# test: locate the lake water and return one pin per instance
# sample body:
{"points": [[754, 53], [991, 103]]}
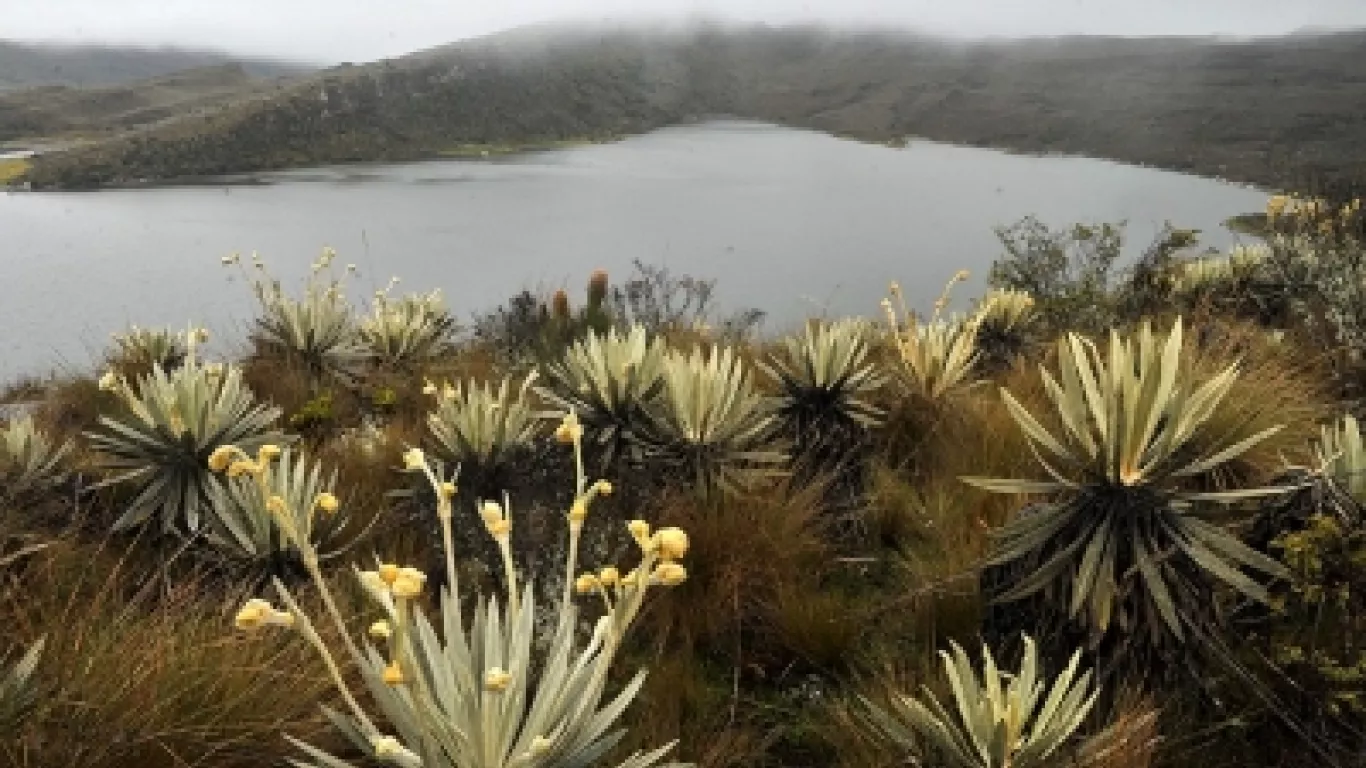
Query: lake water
{"points": [[793, 222]]}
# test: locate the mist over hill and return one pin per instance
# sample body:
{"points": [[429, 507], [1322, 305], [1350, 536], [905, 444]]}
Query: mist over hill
{"points": [[25, 65], [1273, 111]]}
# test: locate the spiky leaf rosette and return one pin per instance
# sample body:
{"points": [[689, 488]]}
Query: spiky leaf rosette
{"points": [[316, 330], [610, 380], [18, 688], [28, 459], [162, 440], [407, 332], [483, 429], [827, 381], [936, 357], [999, 720], [712, 424], [138, 349], [248, 530], [1003, 322], [487, 693], [1119, 545]]}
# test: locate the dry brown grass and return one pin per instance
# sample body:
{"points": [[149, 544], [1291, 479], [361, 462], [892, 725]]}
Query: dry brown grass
{"points": [[152, 676]]}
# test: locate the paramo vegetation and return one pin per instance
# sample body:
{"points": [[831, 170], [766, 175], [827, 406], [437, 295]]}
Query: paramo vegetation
{"points": [[630, 531]]}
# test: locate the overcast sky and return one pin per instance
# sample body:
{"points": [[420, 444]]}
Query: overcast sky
{"points": [[362, 30]]}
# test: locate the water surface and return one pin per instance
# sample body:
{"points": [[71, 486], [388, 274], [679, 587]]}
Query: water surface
{"points": [[794, 222]]}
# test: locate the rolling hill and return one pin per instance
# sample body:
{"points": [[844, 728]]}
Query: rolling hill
{"points": [[28, 65], [1278, 112]]}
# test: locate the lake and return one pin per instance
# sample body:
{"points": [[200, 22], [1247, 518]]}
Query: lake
{"points": [[794, 222]]}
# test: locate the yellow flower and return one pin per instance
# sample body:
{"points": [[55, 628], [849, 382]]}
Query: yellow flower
{"points": [[603, 488], [392, 674], [961, 275], [578, 512], [388, 572], [327, 503], [448, 490], [257, 613], [586, 584], [609, 576], [221, 457], [381, 630], [268, 452], [408, 583], [497, 679], [672, 542], [631, 579], [413, 458], [277, 506], [569, 431], [109, 381], [640, 530], [491, 512], [540, 745], [670, 574]]}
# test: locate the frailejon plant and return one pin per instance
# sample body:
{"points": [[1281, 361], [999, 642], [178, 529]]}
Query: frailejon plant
{"points": [[712, 424], [1119, 550], [936, 359], [472, 695], [481, 428], [245, 527], [1002, 720], [18, 686], [169, 426], [1004, 318], [406, 332], [28, 459], [828, 381], [611, 381], [316, 330], [138, 349]]}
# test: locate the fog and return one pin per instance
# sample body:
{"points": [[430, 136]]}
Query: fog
{"points": [[330, 31]]}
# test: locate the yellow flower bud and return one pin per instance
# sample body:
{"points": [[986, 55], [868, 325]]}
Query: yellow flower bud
{"points": [[569, 431], [388, 572], [586, 584], [640, 530], [491, 512], [672, 543], [448, 490], [277, 506], [413, 458], [242, 467], [392, 674], [609, 576], [603, 488], [257, 613], [221, 457], [407, 583], [670, 574], [268, 452], [327, 503], [578, 512], [497, 679], [381, 630]]}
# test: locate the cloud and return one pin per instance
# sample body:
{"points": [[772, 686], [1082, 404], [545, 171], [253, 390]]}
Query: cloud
{"points": [[362, 30]]}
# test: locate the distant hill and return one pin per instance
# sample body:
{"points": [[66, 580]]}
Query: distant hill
{"points": [[62, 113], [26, 65], [1270, 111]]}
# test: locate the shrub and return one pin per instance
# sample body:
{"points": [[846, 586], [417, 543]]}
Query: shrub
{"points": [[482, 429], [468, 697], [1117, 553], [1003, 720], [826, 378], [245, 527], [171, 423], [29, 462], [406, 333], [610, 381], [138, 350], [711, 425], [654, 298], [937, 358], [316, 331]]}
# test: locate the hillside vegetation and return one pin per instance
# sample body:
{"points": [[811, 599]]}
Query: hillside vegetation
{"points": [[63, 113], [1275, 112], [27, 65]]}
